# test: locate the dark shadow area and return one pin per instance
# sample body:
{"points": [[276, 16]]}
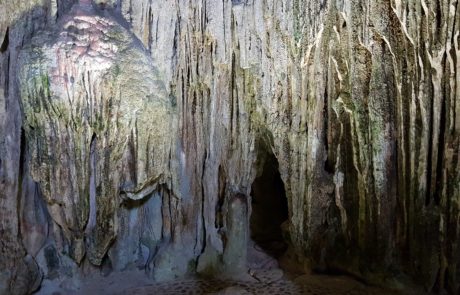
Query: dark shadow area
{"points": [[269, 208], [6, 41]]}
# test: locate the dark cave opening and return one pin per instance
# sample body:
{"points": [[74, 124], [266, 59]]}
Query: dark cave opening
{"points": [[269, 208]]}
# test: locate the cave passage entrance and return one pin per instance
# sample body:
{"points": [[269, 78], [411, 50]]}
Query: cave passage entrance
{"points": [[269, 207]]}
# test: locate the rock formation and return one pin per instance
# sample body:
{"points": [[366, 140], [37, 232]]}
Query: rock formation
{"points": [[98, 123], [132, 131]]}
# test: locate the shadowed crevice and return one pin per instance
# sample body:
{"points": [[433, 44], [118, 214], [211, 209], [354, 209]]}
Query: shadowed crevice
{"points": [[6, 41], [269, 208]]}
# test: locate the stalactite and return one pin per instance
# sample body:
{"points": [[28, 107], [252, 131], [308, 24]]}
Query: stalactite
{"points": [[358, 101]]}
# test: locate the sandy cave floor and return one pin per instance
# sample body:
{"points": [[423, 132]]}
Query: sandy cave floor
{"points": [[134, 284], [264, 277]]}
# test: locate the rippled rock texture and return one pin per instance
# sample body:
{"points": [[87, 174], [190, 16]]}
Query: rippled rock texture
{"points": [[98, 123], [129, 128]]}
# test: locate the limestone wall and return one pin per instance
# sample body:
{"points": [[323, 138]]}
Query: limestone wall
{"points": [[357, 99]]}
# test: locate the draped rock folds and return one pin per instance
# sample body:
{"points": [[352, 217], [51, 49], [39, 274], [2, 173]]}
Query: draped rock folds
{"points": [[98, 123], [358, 101]]}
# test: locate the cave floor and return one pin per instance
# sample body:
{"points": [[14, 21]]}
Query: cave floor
{"points": [[303, 285], [132, 284], [264, 277]]}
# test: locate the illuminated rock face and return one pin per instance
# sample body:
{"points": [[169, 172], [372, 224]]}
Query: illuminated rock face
{"points": [[357, 100], [99, 125]]}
